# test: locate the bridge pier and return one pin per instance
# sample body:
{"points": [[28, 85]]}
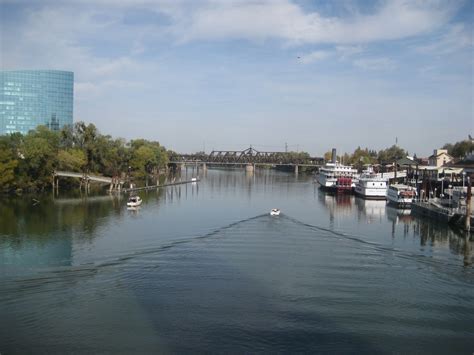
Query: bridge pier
{"points": [[250, 168], [296, 170]]}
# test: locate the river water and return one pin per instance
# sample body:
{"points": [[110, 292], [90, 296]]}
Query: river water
{"points": [[205, 268]]}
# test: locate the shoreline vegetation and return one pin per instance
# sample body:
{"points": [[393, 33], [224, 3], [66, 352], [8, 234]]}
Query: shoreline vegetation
{"points": [[27, 161]]}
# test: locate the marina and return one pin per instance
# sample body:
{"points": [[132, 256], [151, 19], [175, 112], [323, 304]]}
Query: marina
{"points": [[410, 185]]}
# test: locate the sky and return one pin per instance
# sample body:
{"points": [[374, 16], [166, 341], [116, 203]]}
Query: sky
{"points": [[227, 74]]}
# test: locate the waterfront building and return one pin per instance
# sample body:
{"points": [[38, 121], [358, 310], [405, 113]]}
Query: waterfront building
{"points": [[440, 157], [29, 98]]}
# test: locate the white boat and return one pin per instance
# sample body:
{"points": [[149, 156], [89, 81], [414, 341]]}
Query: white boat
{"points": [[275, 212], [134, 201], [401, 195], [371, 185], [330, 173]]}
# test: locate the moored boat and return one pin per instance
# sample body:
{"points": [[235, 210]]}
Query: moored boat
{"points": [[401, 195], [134, 201], [371, 185], [330, 173], [344, 184]]}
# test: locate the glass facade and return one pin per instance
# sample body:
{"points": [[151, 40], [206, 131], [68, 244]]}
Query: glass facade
{"points": [[29, 98]]}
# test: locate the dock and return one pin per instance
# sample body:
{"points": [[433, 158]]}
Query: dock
{"points": [[440, 213], [152, 187]]}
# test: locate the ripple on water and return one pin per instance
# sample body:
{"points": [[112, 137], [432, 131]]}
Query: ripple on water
{"points": [[261, 284]]}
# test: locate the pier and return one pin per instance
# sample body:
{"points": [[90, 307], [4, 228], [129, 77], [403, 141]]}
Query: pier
{"points": [[86, 179], [152, 187], [433, 210]]}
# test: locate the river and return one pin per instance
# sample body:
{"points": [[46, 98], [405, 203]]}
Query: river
{"points": [[204, 268]]}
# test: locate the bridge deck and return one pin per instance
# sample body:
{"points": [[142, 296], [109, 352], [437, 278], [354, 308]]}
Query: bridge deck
{"points": [[239, 163]]}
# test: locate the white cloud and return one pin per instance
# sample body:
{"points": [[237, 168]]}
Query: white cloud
{"points": [[314, 56], [90, 38], [456, 38], [260, 20], [379, 64], [114, 66], [349, 51]]}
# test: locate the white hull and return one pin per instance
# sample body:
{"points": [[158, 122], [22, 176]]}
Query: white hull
{"points": [[400, 201], [372, 186], [373, 193], [275, 212], [134, 202], [324, 181], [397, 195]]}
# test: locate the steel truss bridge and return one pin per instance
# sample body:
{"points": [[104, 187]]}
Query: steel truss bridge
{"points": [[248, 156]]}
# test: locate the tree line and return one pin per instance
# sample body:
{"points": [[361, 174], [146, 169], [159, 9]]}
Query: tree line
{"points": [[28, 161], [364, 156]]}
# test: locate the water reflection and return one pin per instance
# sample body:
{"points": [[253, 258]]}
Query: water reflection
{"points": [[402, 223], [340, 204], [370, 210], [46, 233]]}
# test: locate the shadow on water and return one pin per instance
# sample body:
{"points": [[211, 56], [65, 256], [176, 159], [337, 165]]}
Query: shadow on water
{"points": [[187, 290], [211, 291]]}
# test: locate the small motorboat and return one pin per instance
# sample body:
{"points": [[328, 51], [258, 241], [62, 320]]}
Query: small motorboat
{"points": [[275, 212], [134, 201]]}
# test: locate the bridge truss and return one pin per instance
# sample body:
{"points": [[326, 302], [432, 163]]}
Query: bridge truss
{"points": [[249, 156]]}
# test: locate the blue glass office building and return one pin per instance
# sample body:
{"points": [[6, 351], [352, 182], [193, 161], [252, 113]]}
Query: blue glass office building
{"points": [[29, 98]]}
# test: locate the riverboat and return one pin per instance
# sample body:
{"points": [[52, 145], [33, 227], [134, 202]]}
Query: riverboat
{"points": [[134, 201], [344, 184], [330, 173], [401, 195], [371, 185]]}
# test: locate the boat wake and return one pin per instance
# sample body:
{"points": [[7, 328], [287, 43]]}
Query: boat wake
{"points": [[90, 269]]}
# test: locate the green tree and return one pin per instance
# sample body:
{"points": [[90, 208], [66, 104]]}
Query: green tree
{"points": [[362, 157], [143, 160], [71, 160], [8, 163], [27, 161], [460, 149], [391, 154]]}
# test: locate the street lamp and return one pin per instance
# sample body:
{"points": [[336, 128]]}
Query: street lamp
{"points": [[463, 176]]}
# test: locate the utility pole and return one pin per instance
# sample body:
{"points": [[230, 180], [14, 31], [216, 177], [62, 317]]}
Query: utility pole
{"points": [[286, 147], [468, 205]]}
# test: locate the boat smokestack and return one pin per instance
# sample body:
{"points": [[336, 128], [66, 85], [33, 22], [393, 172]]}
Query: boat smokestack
{"points": [[334, 156]]}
